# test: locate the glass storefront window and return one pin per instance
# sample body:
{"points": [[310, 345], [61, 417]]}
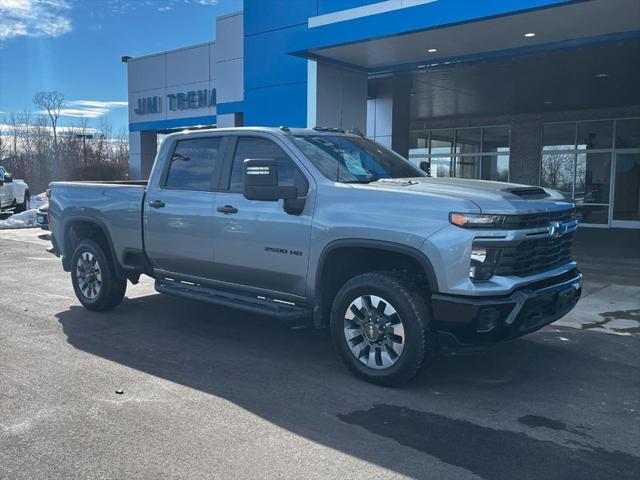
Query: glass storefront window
{"points": [[600, 172], [468, 140], [419, 140], [593, 178], [495, 167], [441, 167], [481, 152], [595, 135], [628, 133], [558, 172], [467, 167], [626, 201], [495, 139], [442, 141], [559, 136], [597, 214], [418, 147]]}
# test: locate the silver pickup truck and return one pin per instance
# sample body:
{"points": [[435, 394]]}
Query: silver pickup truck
{"points": [[330, 226]]}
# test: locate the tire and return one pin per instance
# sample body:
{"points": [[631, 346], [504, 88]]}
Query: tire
{"points": [[94, 280], [399, 343], [25, 205]]}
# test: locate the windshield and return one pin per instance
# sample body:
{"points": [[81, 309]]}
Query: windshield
{"points": [[350, 159]]}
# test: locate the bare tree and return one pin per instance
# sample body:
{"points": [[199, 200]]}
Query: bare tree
{"points": [[52, 103]]}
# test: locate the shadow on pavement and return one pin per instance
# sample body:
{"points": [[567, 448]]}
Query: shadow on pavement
{"points": [[288, 374]]}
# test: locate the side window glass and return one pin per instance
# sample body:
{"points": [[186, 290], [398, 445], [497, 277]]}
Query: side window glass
{"points": [[254, 147], [193, 163]]}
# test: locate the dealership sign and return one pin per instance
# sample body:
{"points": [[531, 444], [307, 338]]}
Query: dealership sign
{"points": [[190, 100]]}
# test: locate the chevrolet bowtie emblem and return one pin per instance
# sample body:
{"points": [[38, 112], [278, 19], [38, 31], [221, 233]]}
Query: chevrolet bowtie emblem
{"points": [[555, 229]]}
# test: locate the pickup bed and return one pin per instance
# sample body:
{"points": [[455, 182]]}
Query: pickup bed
{"points": [[331, 226]]}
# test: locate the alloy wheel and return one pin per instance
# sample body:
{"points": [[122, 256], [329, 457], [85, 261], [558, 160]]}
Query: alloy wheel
{"points": [[89, 275], [374, 331]]}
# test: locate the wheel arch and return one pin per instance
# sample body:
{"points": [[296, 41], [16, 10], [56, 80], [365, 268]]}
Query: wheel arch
{"points": [[387, 256], [78, 228]]}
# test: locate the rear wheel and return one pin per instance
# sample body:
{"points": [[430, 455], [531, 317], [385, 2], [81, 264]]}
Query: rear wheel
{"points": [[25, 205], [94, 280], [380, 326]]}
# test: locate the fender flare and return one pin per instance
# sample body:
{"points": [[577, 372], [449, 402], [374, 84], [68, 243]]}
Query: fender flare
{"points": [[412, 252], [66, 226]]}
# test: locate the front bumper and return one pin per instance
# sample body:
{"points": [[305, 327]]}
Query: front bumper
{"points": [[472, 321]]}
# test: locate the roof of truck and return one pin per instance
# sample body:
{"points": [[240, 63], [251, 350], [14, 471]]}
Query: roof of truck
{"points": [[283, 130]]}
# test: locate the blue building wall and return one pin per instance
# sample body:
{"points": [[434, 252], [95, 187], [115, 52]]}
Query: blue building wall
{"points": [[276, 81]]}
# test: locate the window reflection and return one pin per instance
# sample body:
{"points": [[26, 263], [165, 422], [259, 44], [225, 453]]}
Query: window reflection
{"points": [[468, 167], [481, 152], [557, 172], [495, 139], [559, 136], [468, 140], [593, 178], [442, 141], [441, 167], [495, 167], [595, 135], [628, 133]]}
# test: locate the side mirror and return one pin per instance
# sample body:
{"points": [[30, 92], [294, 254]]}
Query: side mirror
{"points": [[8, 178], [425, 167], [260, 177]]}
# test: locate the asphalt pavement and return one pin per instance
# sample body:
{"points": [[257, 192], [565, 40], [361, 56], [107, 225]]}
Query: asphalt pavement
{"points": [[167, 388]]}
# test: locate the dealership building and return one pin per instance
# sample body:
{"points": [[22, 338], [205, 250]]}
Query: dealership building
{"points": [[542, 92]]}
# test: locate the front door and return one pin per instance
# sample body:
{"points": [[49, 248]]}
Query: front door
{"points": [[257, 243], [626, 191], [179, 209]]}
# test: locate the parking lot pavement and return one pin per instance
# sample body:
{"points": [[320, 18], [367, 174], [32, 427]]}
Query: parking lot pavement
{"points": [[210, 392]]}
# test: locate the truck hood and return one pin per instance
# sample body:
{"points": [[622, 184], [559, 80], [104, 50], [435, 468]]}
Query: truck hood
{"points": [[490, 197]]}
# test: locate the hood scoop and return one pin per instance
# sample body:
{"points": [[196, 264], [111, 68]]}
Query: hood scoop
{"points": [[529, 193]]}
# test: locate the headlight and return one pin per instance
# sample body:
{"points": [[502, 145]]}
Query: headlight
{"points": [[483, 262], [476, 220]]}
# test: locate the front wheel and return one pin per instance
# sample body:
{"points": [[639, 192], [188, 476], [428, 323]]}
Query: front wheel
{"points": [[94, 280], [380, 326]]}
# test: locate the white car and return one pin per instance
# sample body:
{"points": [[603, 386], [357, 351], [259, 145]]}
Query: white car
{"points": [[14, 194]]}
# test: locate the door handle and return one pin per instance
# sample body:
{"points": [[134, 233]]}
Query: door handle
{"points": [[156, 204], [227, 209]]}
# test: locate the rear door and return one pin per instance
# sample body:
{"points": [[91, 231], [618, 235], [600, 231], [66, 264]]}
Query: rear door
{"points": [[179, 209], [257, 243]]}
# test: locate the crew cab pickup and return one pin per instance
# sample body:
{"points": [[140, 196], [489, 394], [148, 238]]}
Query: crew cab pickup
{"points": [[331, 226], [14, 194]]}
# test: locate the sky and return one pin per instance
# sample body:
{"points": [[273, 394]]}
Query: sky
{"points": [[75, 47]]}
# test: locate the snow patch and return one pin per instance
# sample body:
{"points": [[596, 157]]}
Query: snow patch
{"points": [[26, 219], [40, 200], [20, 220]]}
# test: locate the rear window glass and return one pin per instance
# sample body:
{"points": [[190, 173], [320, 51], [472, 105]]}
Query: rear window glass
{"points": [[193, 163]]}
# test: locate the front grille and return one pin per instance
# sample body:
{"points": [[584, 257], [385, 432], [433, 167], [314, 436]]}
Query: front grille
{"points": [[535, 256], [536, 220]]}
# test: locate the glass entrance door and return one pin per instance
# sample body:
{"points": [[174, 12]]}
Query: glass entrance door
{"points": [[626, 193]]}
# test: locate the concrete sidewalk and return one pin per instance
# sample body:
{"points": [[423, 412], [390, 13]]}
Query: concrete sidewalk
{"points": [[610, 262]]}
